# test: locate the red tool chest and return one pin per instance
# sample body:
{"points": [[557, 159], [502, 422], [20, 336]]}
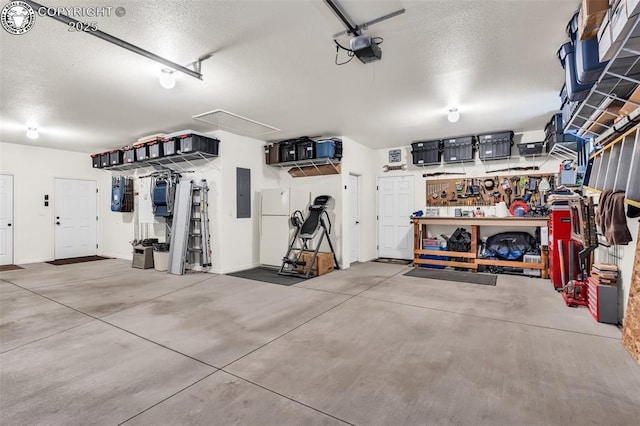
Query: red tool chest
{"points": [[559, 229], [603, 301]]}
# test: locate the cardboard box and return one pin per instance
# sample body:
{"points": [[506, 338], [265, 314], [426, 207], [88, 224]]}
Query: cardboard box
{"points": [[629, 107], [323, 264], [606, 117], [589, 24], [591, 7]]}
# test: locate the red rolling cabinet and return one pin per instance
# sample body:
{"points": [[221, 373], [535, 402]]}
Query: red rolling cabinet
{"points": [[559, 229]]}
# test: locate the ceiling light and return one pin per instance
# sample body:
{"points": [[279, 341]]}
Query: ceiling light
{"points": [[167, 78], [454, 115], [32, 133]]}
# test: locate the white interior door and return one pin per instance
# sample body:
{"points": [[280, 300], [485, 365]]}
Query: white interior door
{"points": [[354, 217], [275, 236], [395, 205], [6, 219], [75, 218]]}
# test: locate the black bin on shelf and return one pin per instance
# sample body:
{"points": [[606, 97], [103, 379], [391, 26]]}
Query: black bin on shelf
{"points": [[129, 155], [426, 152], [95, 161], [171, 146], [458, 149], [156, 149], [142, 152], [494, 146], [198, 143], [305, 149], [116, 157], [528, 149], [567, 140], [555, 125], [104, 159], [287, 151]]}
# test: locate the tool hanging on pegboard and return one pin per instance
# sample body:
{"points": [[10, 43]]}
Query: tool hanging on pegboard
{"points": [[121, 194]]}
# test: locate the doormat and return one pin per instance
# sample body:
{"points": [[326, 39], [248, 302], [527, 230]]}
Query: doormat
{"points": [[267, 275], [5, 268], [393, 261], [71, 260], [458, 276]]}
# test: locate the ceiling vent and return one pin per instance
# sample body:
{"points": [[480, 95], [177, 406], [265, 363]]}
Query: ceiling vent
{"points": [[225, 120]]}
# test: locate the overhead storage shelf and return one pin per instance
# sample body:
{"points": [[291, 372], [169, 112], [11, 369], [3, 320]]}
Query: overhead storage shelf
{"points": [[311, 167], [618, 81], [192, 160]]}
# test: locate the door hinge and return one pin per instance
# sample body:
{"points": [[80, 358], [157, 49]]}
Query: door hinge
{"points": [[96, 217], [96, 190], [377, 187], [377, 217], [96, 246]]}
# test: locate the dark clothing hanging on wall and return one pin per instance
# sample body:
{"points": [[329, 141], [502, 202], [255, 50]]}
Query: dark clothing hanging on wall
{"points": [[611, 218]]}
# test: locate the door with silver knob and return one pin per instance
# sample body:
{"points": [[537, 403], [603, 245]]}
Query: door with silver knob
{"points": [[6, 219], [75, 229]]}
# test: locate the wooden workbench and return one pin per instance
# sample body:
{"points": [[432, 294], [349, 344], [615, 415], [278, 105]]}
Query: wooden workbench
{"points": [[420, 231]]}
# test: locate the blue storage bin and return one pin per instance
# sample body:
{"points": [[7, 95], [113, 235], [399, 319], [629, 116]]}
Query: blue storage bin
{"points": [[588, 65], [428, 256], [572, 27], [325, 149], [575, 90]]}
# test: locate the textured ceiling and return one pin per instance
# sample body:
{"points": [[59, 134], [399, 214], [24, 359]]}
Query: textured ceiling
{"points": [[274, 63]]}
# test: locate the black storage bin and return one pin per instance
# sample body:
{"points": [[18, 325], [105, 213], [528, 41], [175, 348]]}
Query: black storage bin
{"points": [[116, 157], [129, 155], [142, 152], [458, 149], [104, 159], [427, 152], [528, 149], [305, 149], [495, 146], [198, 143], [287, 151], [554, 125], [156, 149], [338, 153], [95, 161], [171, 146], [567, 140]]}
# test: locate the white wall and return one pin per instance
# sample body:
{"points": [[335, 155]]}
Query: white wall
{"points": [[34, 170]]}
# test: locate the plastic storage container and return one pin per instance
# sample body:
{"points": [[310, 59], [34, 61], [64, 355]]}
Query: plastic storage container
{"points": [[326, 148], [287, 151], [427, 152], [193, 142], [568, 140], [588, 65], [171, 146], [104, 159], [129, 155], [305, 149], [338, 154], [575, 90], [494, 146], [458, 149], [156, 149], [432, 257], [554, 125], [116, 157], [161, 256], [142, 152], [528, 149], [95, 161], [272, 153]]}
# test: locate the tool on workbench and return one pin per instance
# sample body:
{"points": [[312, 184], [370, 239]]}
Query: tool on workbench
{"points": [[515, 180]]}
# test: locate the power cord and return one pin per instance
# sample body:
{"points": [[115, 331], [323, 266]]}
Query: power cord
{"points": [[350, 53]]}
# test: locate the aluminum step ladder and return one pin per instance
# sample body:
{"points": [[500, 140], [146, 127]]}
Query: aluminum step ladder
{"points": [[190, 241]]}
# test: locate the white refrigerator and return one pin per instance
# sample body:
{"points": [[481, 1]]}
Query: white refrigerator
{"points": [[276, 231]]}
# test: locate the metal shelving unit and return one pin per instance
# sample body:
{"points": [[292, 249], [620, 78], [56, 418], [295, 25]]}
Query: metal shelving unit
{"points": [[194, 160], [618, 80]]}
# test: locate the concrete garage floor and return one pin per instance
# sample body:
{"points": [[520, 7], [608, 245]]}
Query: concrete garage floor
{"points": [[101, 343]]}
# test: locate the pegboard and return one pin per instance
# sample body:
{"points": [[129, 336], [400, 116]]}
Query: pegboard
{"points": [[461, 192]]}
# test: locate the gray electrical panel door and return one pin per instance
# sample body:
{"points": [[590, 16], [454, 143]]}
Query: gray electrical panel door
{"points": [[243, 193]]}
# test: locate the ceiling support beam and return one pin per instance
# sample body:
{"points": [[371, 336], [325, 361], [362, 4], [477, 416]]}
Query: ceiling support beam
{"points": [[121, 43]]}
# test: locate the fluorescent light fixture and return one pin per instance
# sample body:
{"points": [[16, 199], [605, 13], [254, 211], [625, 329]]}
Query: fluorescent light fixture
{"points": [[167, 78], [32, 133], [454, 115]]}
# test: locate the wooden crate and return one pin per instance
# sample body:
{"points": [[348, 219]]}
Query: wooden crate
{"points": [[323, 265]]}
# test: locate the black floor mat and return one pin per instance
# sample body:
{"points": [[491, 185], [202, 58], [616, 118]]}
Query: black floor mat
{"points": [[5, 268], [267, 275], [459, 276], [71, 260], [393, 261]]}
